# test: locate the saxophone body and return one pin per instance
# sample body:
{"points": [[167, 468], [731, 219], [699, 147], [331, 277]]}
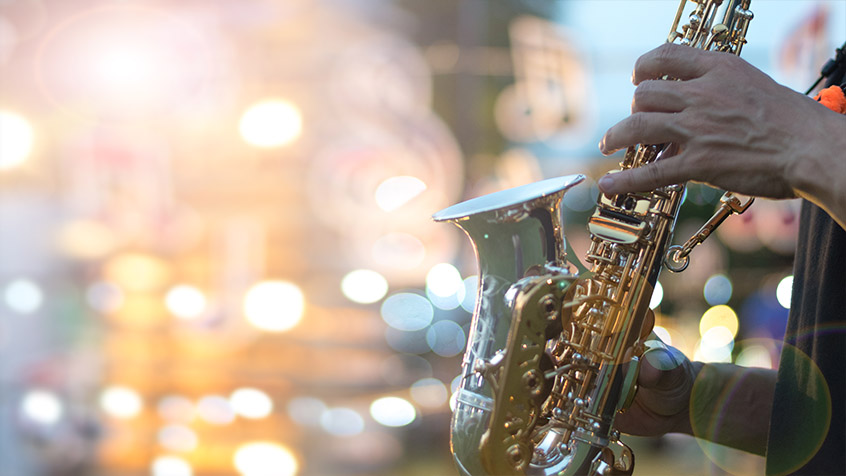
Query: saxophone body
{"points": [[554, 348]]}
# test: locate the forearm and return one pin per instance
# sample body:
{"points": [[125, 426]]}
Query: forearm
{"points": [[731, 406]]}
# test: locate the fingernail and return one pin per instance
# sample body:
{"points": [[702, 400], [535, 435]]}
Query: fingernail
{"points": [[602, 146], [606, 182]]}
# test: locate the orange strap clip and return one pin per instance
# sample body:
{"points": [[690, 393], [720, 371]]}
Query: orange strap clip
{"points": [[833, 98]]}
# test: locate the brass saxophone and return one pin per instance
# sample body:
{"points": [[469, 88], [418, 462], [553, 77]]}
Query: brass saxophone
{"points": [[554, 349]]}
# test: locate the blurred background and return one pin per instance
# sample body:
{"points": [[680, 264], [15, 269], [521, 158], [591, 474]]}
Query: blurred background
{"points": [[216, 252]]}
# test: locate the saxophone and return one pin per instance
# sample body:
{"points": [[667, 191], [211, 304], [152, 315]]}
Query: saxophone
{"points": [[554, 349]]}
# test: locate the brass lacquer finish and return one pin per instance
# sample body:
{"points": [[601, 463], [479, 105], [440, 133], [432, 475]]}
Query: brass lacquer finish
{"points": [[552, 356]]}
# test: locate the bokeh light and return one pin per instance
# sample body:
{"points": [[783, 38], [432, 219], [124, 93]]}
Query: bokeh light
{"points": [[717, 289], [393, 411], [23, 296], [274, 306], [121, 402], [171, 466], [444, 280], [271, 123], [444, 287], [446, 338], [263, 458], [719, 316], [341, 421], [186, 302], [177, 437], [755, 355], [216, 410], [17, 140], [657, 295], [42, 406], [251, 403], [364, 286], [784, 291], [429, 392], [138, 272], [407, 311], [306, 411], [175, 408]]}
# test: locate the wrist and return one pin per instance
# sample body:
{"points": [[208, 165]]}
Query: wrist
{"points": [[683, 422], [818, 170]]}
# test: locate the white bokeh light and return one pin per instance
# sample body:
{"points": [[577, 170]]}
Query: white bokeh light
{"points": [[251, 403], [784, 290], [185, 302], [171, 466], [364, 286], [264, 458], [42, 406], [271, 123], [16, 140], [274, 306], [657, 296], [444, 280], [121, 402], [23, 296], [407, 311], [393, 411]]}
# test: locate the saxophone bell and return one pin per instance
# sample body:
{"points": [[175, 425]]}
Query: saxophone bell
{"points": [[517, 236]]}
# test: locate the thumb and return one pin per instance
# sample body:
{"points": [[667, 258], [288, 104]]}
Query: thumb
{"points": [[662, 367]]}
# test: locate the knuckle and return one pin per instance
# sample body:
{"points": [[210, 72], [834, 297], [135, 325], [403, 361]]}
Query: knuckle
{"points": [[654, 175], [641, 94], [665, 53], [637, 123]]}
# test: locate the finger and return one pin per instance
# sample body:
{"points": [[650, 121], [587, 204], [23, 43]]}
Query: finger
{"points": [[659, 96], [644, 178], [676, 61], [642, 127]]}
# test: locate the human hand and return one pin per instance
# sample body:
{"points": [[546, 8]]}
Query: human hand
{"points": [[735, 128], [662, 402]]}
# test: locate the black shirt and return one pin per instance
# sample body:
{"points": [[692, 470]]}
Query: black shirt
{"points": [[808, 424]]}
